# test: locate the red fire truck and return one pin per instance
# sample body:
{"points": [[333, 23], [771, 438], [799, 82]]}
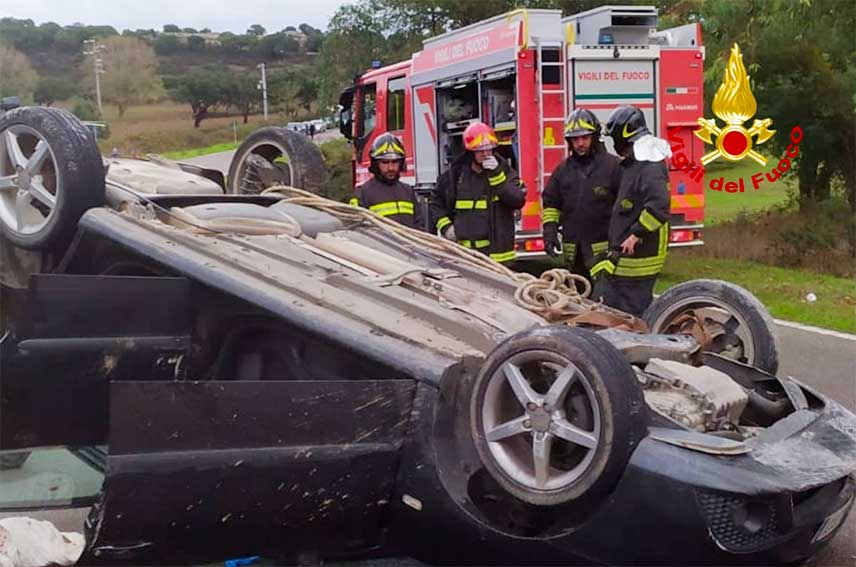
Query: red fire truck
{"points": [[522, 73]]}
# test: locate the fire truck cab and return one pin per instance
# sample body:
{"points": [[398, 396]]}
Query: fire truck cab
{"points": [[522, 73]]}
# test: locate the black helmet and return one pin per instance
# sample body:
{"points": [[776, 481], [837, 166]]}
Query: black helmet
{"points": [[386, 147], [625, 125], [582, 122]]}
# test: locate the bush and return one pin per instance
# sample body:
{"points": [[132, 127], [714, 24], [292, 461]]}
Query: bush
{"points": [[87, 110], [337, 156]]}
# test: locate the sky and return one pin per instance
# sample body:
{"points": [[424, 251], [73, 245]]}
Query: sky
{"points": [[235, 16]]}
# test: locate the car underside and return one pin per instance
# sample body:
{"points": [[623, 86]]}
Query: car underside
{"points": [[275, 373]]}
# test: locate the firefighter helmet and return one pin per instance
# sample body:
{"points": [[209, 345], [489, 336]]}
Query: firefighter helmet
{"points": [[582, 122], [479, 136], [387, 147], [625, 125]]}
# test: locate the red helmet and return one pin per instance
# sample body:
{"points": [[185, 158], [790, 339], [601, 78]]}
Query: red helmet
{"points": [[479, 136]]}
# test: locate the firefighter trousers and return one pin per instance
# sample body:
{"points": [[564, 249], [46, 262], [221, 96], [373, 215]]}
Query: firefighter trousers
{"points": [[631, 295]]}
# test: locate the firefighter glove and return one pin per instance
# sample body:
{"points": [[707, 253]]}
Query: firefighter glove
{"points": [[490, 163], [552, 244]]}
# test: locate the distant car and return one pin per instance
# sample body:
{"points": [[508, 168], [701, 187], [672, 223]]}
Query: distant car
{"points": [[319, 124], [281, 375], [296, 126]]}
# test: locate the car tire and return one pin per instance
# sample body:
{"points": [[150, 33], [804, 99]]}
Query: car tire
{"points": [[13, 460], [740, 326], [604, 402], [41, 209], [276, 156]]}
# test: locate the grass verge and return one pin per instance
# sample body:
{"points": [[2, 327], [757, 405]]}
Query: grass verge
{"points": [[196, 152], [724, 207], [782, 290]]}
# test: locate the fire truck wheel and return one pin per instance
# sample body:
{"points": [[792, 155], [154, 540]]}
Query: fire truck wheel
{"points": [[276, 156], [730, 319], [555, 414], [50, 174]]}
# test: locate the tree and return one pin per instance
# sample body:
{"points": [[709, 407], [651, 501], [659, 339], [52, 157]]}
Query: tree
{"points": [[51, 89], [87, 110], [203, 89], [171, 28], [801, 57], [17, 77], [241, 92], [129, 78], [205, 30], [195, 43], [167, 44], [256, 29], [189, 30]]}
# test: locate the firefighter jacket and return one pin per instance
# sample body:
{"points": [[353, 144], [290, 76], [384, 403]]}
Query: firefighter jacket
{"points": [[394, 201], [641, 208], [579, 198], [480, 206]]}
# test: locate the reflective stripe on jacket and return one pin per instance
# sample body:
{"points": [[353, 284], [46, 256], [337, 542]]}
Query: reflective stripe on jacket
{"points": [[642, 209], [579, 197], [394, 201], [480, 205]]}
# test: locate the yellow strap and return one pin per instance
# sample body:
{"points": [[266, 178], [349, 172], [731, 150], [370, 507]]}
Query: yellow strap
{"points": [[392, 208], [599, 247], [354, 202], [603, 266], [550, 215], [645, 267], [503, 256], [569, 250], [497, 179], [474, 244], [468, 205], [442, 223], [649, 221], [627, 272]]}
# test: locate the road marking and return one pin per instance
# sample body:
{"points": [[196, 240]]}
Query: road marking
{"points": [[818, 330]]}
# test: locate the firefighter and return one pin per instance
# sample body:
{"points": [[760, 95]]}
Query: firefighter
{"points": [[638, 228], [476, 198], [579, 197], [384, 194]]}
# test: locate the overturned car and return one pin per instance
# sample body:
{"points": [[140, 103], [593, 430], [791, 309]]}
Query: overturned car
{"points": [[279, 374]]}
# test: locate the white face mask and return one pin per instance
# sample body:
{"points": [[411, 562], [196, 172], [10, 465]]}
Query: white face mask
{"points": [[649, 148]]}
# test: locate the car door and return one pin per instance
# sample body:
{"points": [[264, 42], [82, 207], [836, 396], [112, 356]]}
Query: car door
{"points": [[290, 446]]}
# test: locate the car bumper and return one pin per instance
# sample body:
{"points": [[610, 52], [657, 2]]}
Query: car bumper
{"points": [[782, 501]]}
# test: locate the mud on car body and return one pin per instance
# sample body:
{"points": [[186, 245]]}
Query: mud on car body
{"points": [[269, 376]]}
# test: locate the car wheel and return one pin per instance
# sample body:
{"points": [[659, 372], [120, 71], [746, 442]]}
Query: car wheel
{"points": [[727, 318], [50, 173], [14, 460], [276, 156], [555, 415]]}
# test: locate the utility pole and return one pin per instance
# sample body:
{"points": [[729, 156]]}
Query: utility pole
{"points": [[95, 49], [263, 86]]}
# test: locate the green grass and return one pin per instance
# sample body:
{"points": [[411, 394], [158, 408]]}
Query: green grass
{"points": [[196, 152], [782, 290], [722, 207]]}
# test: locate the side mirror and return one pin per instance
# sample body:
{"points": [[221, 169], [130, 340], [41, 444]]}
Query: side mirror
{"points": [[346, 124]]}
